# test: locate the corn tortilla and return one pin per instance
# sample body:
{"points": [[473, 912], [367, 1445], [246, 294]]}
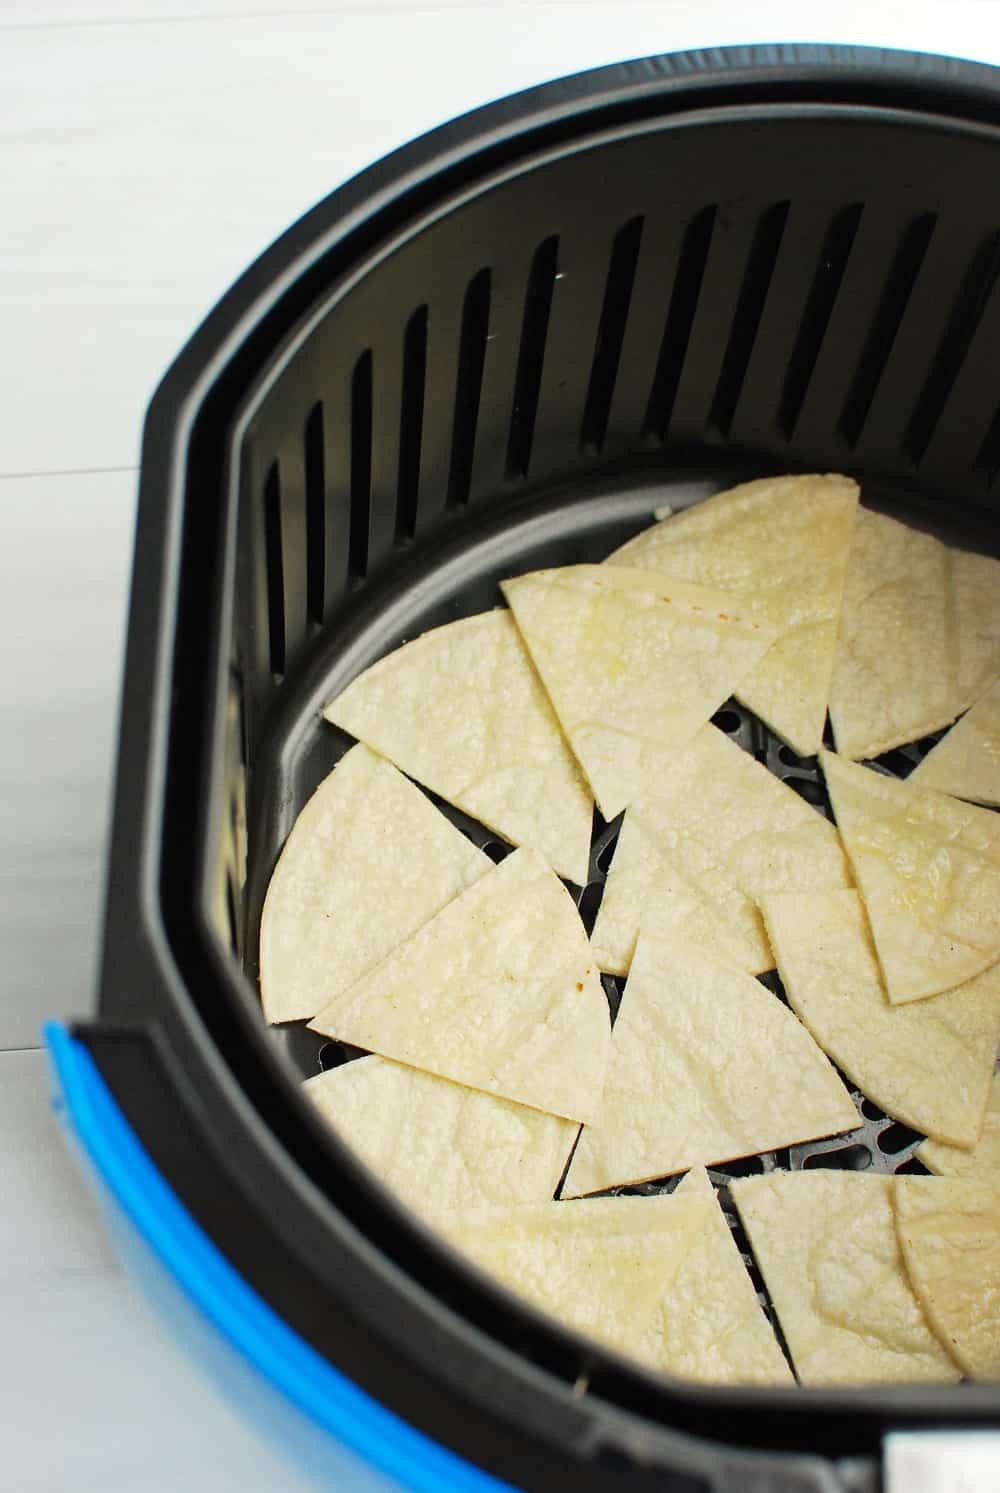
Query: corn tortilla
{"points": [[498, 992], [928, 869], [686, 1082], [634, 665], [462, 710], [781, 545], [826, 1245], [368, 861]]}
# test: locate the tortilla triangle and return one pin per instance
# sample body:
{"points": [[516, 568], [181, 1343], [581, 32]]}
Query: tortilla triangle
{"points": [[949, 1232], [440, 1145], [368, 861], [975, 600], [499, 992], [683, 1086], [982, 1162], [462, 710], [780, 545], [966, 762], [733, 832], [710, 1325], [894, 670], [602, 1265], [826, 1245], [634, 665], [928, 869], [928, 1063]]}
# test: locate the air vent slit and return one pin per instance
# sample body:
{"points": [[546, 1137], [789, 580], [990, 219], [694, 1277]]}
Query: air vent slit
{"points": [[816, 316], [411, 424], [274, 565], [902, 277], [970, 303], [531, 355], [757, 277], [611, 333], [361, 467], [469, 385], [680, 319], [315, 477], [987, 463]]}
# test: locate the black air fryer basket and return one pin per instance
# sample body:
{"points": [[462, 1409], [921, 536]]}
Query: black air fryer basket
{"points": [[504, 347]]}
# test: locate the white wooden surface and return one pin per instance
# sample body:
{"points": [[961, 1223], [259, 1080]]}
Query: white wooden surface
{"points": [[149, 149]]}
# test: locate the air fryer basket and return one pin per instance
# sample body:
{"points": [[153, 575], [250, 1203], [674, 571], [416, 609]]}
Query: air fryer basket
{"points": [[505, 347]]}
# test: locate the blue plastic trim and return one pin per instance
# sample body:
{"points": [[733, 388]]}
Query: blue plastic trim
{"points": [[236, 1310]]}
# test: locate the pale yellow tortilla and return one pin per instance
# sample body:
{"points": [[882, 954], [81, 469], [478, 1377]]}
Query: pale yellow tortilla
{"points": [[949, 1232], [706, 1065], [709, 1325], [894, 670], [826, 1245], [368, 861], [929, 1063], [440, 1145], [499, 991], [643, 882], [734, 832], [602, 1266], [781, 545], [634, 665], [966, 762], [982, 1163], [975, 597], [462, 710], [928, 869]]}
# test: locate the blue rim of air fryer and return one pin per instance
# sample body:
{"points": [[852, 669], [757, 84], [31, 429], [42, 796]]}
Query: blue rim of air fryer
{"points": [[233, 1307]]}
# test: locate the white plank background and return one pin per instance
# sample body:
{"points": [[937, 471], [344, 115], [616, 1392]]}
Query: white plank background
{"points": [[149, 149]]}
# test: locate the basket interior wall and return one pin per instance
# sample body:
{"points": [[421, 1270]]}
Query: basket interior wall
{"points": [[785, 288]]}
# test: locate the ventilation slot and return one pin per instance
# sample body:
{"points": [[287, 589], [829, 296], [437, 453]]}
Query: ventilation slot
{"points": [[361, 466], [469, 385], [988, 456], [528, 382], [896, 294], [315, 514], [275, 570], [611, 333], [411, 424], [749, 310], [977, 287], [680, 319], [847, 1159], [231, 917], [816, 317]]}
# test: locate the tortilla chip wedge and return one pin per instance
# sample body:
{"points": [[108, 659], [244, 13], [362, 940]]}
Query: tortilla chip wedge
{"points": [[928, 1063], [894, 671], [368, 861], [966, 762], [602, 1265], [826, 1245], [928, 869], [975, 599], [462, 710], [710, 1325], [949, 1232], [644, 884], [439, 1145], [634, 665], [982, 1163], [684, 1087], [735, 832], [499, 992], [780, 545]]}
